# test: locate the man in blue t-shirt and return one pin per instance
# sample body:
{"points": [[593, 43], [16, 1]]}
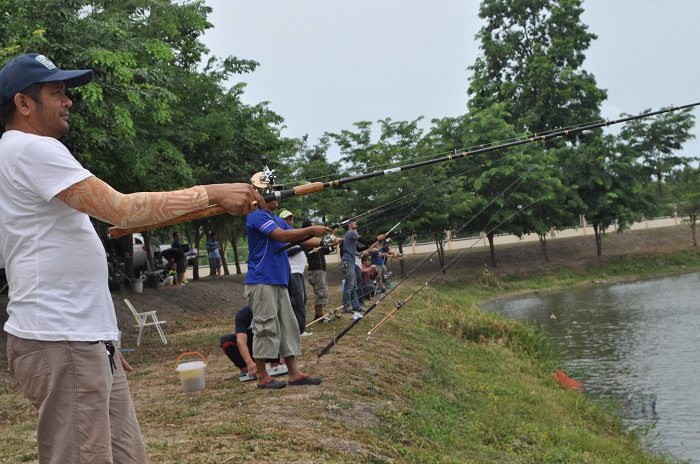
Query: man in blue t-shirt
{"points": [[275, 328], [347, 264], [214, 256]]}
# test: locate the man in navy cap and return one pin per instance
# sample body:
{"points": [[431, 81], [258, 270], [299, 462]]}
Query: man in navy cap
{"points": [[60, 325]]}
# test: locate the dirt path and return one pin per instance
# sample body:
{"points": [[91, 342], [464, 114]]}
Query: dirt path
{"points": [[198, 298]]}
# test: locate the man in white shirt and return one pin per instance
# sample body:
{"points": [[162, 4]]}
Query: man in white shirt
{"points": [[60, 326], [296, 287]]}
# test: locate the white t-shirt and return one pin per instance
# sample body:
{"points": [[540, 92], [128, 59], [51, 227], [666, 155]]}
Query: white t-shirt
{"points": [[297, 263], [56, 264]]}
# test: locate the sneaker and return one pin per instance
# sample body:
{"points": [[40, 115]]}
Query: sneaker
{"points": [[357, 315], [307, 334], [325, 320], [277, 369]]}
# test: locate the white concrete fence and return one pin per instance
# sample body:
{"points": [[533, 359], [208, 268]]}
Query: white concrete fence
{"points": [[467, 242]]}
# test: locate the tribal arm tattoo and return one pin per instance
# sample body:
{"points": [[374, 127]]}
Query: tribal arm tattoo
{"points": [[96, 198]]}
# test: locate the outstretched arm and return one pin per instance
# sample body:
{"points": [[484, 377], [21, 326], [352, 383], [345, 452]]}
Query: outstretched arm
{"points": [[95, 197]]}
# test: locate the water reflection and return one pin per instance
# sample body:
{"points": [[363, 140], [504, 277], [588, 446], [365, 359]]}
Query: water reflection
{"points": [[637, 343]]}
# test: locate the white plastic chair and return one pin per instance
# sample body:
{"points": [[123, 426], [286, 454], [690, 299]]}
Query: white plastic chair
{"points": [[142, 322]]}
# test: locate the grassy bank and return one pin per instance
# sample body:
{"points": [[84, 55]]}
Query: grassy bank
{"points": [[440, 382]]}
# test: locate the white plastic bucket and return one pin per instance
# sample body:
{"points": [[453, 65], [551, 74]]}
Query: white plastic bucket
{"points": [[138, 285], [191, 373], [169, 280]]}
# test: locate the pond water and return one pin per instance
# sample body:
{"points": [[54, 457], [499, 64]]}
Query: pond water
{"points": [[636, 343]]}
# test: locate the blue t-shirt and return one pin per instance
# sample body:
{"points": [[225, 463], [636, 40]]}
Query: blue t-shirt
{"points": [[376, 257], [213, 249], [350, 246], [264, 265]]}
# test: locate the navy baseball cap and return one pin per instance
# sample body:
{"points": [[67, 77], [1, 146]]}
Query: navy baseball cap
{"points": [[31, 68]]}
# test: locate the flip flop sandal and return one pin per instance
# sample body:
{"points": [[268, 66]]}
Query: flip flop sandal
{"points": [[306, 380], [272, 384]]}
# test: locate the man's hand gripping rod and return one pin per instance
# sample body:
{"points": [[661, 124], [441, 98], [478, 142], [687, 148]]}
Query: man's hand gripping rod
{"points": [[263, 181]]}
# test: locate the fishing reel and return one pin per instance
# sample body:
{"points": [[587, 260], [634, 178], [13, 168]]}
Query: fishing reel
{"points": [[264, 181], [328, 240]]}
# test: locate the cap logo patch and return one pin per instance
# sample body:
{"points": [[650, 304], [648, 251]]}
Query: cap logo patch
{"points": [[45, 61]]}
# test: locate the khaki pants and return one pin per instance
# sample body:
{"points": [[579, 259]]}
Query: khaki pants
{"points": [[85, 411]]}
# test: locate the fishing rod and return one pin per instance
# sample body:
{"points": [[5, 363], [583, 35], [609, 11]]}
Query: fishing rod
{"points": [[356, 320], [264, 180]]}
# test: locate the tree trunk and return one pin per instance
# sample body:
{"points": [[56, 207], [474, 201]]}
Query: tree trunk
{"points": [[236, 259], [440, 251], [543, 246], [492, 249], [692, 228], [598, 238]]}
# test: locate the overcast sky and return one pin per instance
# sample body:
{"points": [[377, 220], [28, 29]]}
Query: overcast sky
{"points": [[327, 64]]}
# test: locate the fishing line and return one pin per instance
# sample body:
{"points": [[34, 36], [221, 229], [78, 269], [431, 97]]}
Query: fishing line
{"points": [[265, 183], [452, 263], [355, 321], [517, 138]]}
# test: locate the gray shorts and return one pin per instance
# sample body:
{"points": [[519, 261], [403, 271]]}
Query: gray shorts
{"points": [[318, 281], [275, 328]]}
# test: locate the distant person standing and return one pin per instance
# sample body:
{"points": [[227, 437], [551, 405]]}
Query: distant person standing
{"points": [[296, 287], [176, 241], [214, 254], [317, 276], [347, 265]]}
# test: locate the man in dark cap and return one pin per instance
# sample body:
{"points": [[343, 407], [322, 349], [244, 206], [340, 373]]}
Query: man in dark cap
{"points": [[60, 325]]}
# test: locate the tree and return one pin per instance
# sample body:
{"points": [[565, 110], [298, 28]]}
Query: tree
{"points": [[532, 67], [685, 186], [310, 164], [151, 119], [607, 184], [532, 58], [656, 139]]}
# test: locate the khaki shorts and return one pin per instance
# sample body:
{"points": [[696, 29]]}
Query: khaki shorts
{"points": [[275, 328], [318, 281]]}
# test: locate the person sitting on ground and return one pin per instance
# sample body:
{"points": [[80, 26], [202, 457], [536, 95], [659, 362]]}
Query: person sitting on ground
{"points": [[239, 346], [369, 279]]}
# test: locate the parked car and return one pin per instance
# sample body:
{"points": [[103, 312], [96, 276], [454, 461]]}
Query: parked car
{"points": [[140, 255]]}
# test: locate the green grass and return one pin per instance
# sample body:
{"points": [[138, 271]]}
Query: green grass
{"points": [[441, 382]]}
